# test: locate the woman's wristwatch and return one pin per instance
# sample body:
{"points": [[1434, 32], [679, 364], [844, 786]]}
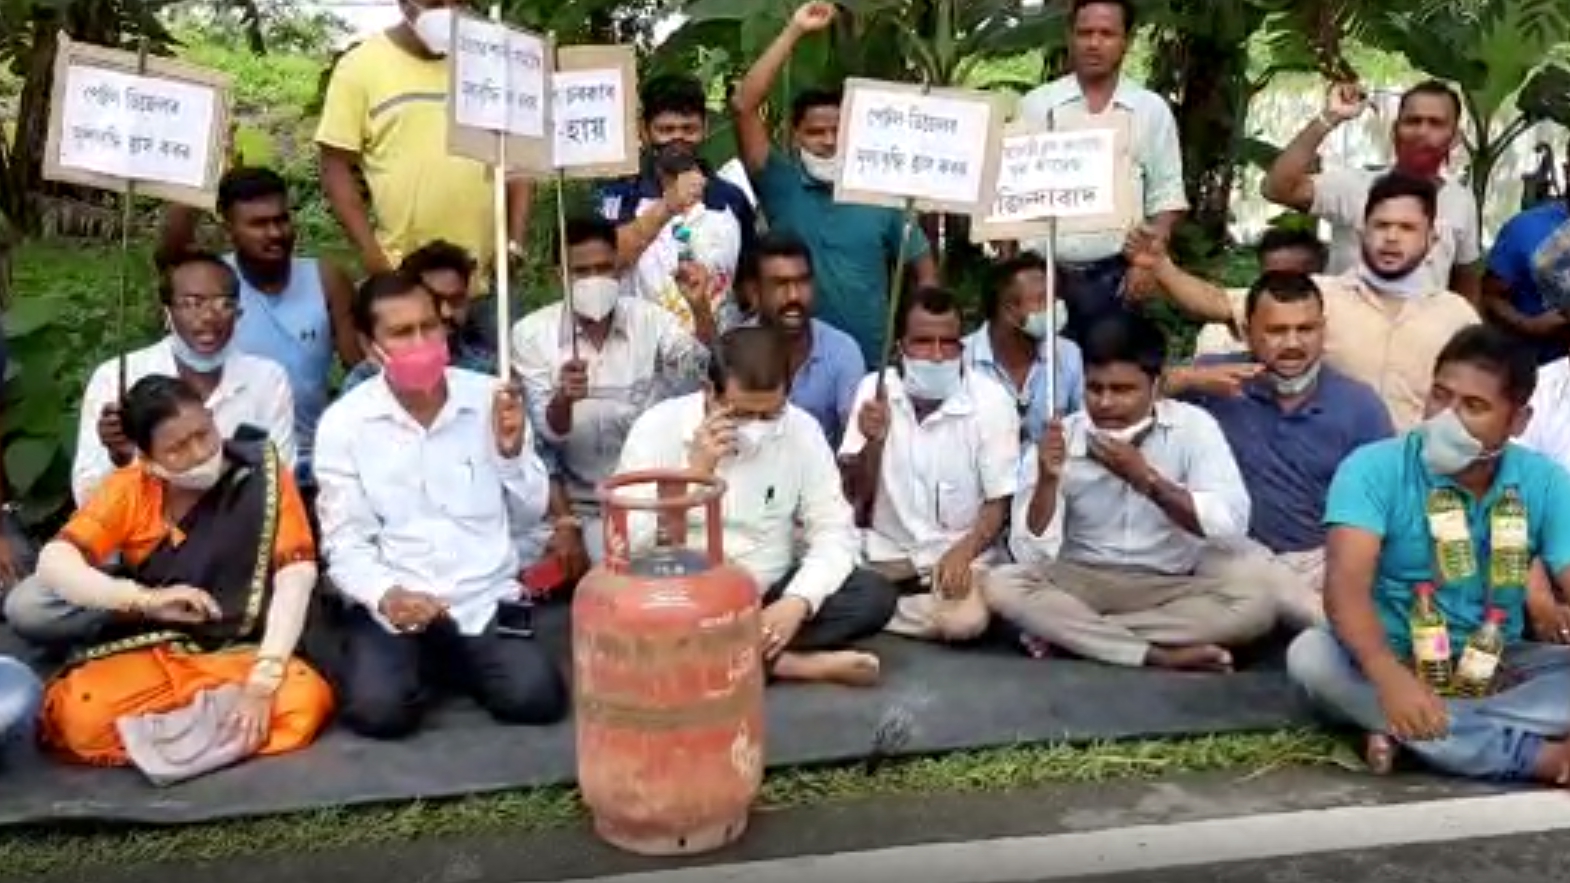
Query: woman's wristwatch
{"points": [[267, 673]]}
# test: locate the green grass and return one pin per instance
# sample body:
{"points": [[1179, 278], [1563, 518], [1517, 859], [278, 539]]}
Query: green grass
{"points": [[36, 853]]}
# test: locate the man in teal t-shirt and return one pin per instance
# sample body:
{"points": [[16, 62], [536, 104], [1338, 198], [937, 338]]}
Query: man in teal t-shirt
{"points": [[1379, 548], [853, 246]]}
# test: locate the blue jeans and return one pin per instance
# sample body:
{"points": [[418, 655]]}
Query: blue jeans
{"points": [[1498, 737], [20, 695]]}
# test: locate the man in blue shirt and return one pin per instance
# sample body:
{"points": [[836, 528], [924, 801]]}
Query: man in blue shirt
{"points": [[1527, 285], [825, 364], [1011, 346], [1289, 427], [853, 246], [1380, 547], [20, 696]]}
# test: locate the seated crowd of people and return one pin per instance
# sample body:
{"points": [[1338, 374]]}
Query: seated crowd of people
{"points": [[1338, 442]]}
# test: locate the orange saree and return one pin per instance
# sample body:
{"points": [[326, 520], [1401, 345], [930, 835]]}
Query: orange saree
{"points": [[233, 540]]}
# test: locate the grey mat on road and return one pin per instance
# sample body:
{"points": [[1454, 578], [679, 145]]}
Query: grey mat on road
{"points": [[945, 699]]}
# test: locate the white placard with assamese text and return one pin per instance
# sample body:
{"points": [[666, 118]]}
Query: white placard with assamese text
{"points": [[1056, 175], [923, 147], [500, 76], [136, 128], [590, 117]]}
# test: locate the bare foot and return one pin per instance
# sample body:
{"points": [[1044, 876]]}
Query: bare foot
{"points": [[1200, 657], [1552, 766], [1379, 752], [852, 668]]}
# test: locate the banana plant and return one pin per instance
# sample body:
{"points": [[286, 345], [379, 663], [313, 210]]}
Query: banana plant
{"points": [[1490, 50]]}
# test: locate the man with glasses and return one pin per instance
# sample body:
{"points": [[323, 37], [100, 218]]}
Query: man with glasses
{"points": [[200, 295], [247, 395]]}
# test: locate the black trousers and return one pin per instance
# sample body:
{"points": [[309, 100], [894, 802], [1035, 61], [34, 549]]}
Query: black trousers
{"points": [[388, 680], [1091, 291], [860, 609]]}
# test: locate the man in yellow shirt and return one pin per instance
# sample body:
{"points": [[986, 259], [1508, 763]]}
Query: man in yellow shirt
{"points": [[386, 114]]}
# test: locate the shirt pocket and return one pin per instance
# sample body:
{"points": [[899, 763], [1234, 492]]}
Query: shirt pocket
{"points": [[468, 489], [957, 504]]}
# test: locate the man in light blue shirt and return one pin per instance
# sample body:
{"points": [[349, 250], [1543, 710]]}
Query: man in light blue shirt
{"points": [[1380, 513], [825, 362], [1091, 269], [1011, 347]]}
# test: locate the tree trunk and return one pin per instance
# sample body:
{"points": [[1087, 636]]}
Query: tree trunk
{"points": [[24, 172], [1207, 82]]}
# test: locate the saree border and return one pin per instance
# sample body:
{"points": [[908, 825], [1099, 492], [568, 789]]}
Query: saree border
{"points": [[253, 604]]}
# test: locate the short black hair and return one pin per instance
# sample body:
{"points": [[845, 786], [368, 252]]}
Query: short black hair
{"points": [[1128, 338], [437, 256], [1498, 353], [1284, 288], [1002, 275], [932, 299], [175, 262], [1436, 89], [779, 244], [584, 229], [810, 99], [753, 358], [248, 184], [1399, 185], [1130, 21], [1293, 239], [378, 287], [150, 403], [679, 94]]}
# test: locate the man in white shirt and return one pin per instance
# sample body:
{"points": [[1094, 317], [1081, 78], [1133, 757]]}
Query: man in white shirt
{"points": [[779, 473], [1091, 269], [201, 297], [1426, 130], [1117, 506], [933, 456], [420, 470], [590, 373]]}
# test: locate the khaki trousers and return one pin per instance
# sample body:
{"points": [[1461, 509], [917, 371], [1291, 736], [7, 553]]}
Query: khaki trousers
{"points": [[929, 617], [1115, 615]]}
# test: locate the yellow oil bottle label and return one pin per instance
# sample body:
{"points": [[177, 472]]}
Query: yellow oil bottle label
{"points": [[1509, 532], [1431, 644], [1449, 526], [1477, 666]]}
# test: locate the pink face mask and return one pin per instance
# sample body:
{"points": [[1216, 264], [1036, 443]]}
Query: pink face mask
{"points": [[418, 367]]}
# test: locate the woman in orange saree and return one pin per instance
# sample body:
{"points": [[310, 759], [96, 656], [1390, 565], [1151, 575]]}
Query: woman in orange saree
{"points": [[221, 567]]}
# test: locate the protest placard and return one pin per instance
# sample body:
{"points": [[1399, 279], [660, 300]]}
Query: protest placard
{"points": [[499, 88], [1078, 172], [595, 111], [161, 130], [931, 149]]}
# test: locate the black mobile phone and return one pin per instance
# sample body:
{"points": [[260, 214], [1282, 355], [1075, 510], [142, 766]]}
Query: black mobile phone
{"points": [[515, 619]]}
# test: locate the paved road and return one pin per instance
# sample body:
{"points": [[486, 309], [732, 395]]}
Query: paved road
{"points": [[1533, 858], [1291, 827]]}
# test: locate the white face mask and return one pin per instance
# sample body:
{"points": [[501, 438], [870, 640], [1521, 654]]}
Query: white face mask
{"points": [[1127, 433], [754, 434], [594, 297], [823, 169], [1414, 284], [200, 477], [433, 27]]}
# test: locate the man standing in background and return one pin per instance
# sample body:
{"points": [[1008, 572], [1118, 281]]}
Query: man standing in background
{"points": [[386, 115], [853, 246], [1427, 128], [1527, 286], [1093, 275]]}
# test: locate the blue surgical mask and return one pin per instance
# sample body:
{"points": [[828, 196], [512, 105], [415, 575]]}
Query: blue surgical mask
{"points": [[1044, 322], [931, 381], [201, 363], [1448, 446]]}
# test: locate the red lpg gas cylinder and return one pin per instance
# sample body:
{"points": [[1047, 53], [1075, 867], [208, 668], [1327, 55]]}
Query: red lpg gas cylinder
{"points": [[667, 679]]}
